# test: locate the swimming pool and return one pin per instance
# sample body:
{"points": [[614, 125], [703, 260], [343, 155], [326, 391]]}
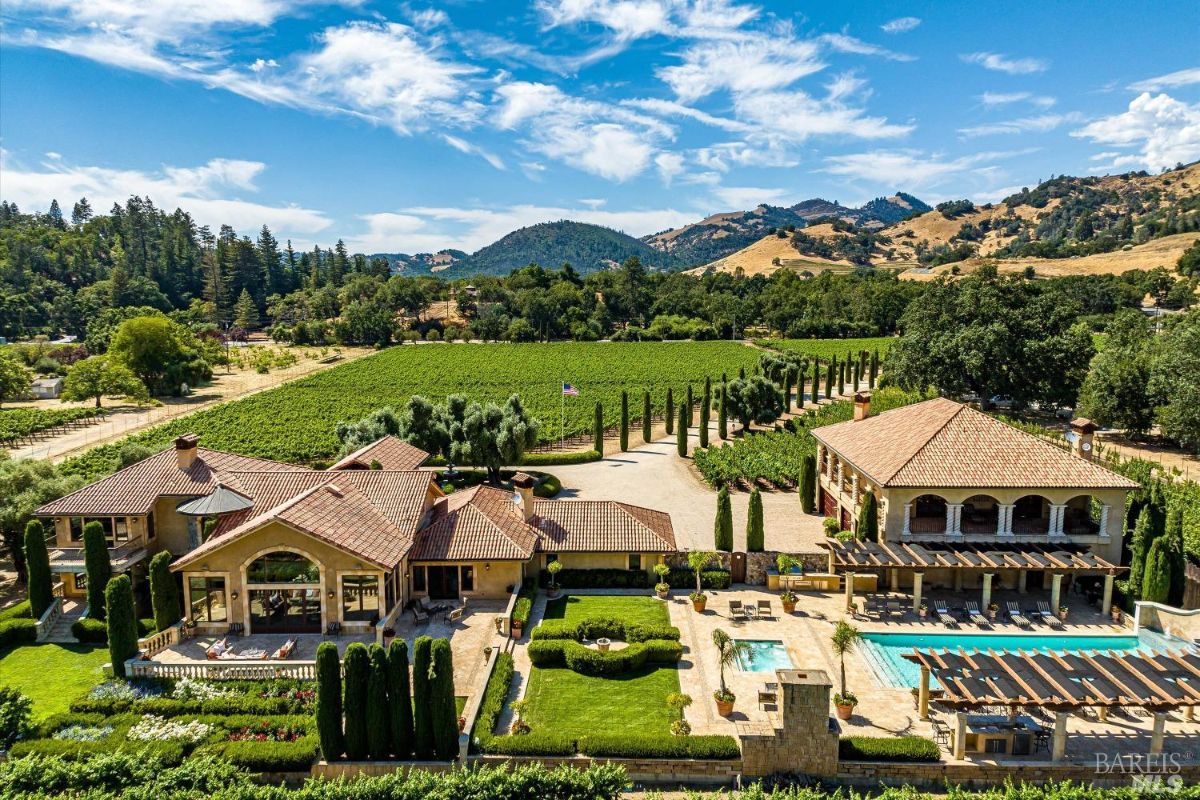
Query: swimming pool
{"points": [[885, 652], [764, 655]]}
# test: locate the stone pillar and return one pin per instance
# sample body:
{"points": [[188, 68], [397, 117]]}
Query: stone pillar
{"points": [[907, 530], [1189, 714], [854, 488], [958, 579], [1004, 521], [1104, 513], [1058, 747], [918, 580], [1057, 513], [800, 738], [1106, 602], [893, 579], [1055, 592], [1159, 733], [960, 735], [985, 599], [954, 519], [923, 694], [848, 577], [831, 569], [1103, 713], [1022, 577]]}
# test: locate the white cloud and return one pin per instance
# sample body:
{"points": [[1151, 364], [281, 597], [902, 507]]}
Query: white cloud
{"points": [[844, 43], [758, 64], [992, 99], [464, 146], [909, 168], [669, 165], [203, 191], [427, 18], [627, 19], [1172, 80], [900, 25], [668, 108], [1002, 63], [795, 117], [1038, 124], [260, 64], [1163, 130], [747, 197]]}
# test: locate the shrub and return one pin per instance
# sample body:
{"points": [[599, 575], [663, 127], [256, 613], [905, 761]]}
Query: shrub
{"points": [[607, 627], [329, 701], [585, 661], [423, 742], [606, 578], [539, 743], [494, 695], [97, 567], [17, 631], [15, 712], [267, 756], [551, 458], [22, 610], [122, 623], [37, 564], [888, 748], [441, 700], [357, 666], [525, 598], [400, 698], [711, 579], [164, 592], [645, 745], [868, 519], [379, 724]]}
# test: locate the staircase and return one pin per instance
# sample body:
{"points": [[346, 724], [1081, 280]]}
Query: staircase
{"points": [[61, 632]]}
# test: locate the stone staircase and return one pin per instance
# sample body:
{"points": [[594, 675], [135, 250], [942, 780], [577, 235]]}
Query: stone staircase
{"points": [[61, 632]]}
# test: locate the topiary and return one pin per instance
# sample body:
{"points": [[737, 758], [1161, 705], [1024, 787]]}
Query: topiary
{"points": [[96, 566], [37, 564], [354, 706], [400, 699], [122, 623], [329, 701], [164, 592], [443, 710], [422, 711], [379, 726]]}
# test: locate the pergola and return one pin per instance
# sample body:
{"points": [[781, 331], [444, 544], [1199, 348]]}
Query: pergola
{"points": [[855, 555], [1060, 682]]}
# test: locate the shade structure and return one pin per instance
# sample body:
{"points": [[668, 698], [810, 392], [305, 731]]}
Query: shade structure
{"points": [[223, 500], [857, 554]]}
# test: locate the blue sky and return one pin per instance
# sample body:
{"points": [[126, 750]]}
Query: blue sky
{"points": [[409, 127]]}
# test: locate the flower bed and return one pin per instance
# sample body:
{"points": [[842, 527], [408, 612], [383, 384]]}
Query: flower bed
{"points": [[151, 728], [168, 698], [267, 731]]}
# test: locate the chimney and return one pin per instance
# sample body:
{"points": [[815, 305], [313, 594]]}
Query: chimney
{"points": [[1080, 436], [862, 405], [185, 450], [524, 485]]}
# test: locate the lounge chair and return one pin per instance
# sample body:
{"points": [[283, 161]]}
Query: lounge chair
{"points": [[894, 609], [419, 614], [735, 610], [943, 613], [285, 650], [976, 616], [1014, 613], [1048, 616], [455, 614], [764, 610], [216, 649]]}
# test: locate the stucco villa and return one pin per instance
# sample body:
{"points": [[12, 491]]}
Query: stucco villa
{"points": [[278, 548]]}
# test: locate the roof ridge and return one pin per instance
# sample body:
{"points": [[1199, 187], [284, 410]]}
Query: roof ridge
{"points": [[106, 477]]}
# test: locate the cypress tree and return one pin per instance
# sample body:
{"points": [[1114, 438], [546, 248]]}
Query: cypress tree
{"points": [[705, 412], [445, 713], [164, 593], [681, 433], [598, 430], [400, 699], [874, 373], [816, 380], [691, 401], [1175, 553], [97, 568], [358, 668], [868, 519], [422, 705], [329, 701], [1143, 535], [800, 376], [723, 524], [646, 423], [829, 368], [122, 623], [856, 378], [722, 416], [754, 523], [624, 421], [806, 483], [379, 725], [843, 378], [787, 390], [1156, 582], [669, 413], [37, 565]]}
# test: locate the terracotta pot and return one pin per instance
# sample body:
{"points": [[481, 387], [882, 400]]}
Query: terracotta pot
{"points": [[516, 631], [789, 608], [1062, 615], [845, 711], [552, 593], [699, 605], [725, 707]]}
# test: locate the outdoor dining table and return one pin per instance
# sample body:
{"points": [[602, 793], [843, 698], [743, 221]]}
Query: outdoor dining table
{"points": [[996, 733]]}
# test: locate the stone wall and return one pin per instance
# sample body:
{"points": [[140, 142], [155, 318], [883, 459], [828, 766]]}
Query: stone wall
{"points": [[1167, 619], [981, 776], [801, 737], [757, 564]]}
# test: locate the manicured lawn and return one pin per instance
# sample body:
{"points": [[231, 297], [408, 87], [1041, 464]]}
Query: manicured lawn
{"points": [[565, 701], [643, 610], [52, 675]]}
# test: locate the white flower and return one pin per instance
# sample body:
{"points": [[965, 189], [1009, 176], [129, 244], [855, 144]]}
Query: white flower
{"points": [[152, 728], [189, 689]]}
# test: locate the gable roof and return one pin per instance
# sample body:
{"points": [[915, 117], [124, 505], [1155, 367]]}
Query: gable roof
{"points": [[134, 490], [941, 443], [481, 523], [391, 452], [565, 526]]}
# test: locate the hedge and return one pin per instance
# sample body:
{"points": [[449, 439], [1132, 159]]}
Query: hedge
{"points": [[494, 695], [606, 627], [889, 748], [645, 745], [295, 756], [17, 631], [21, 610], [248, 701], [551, 459], [525, 598], [584, 660], [611, 578], [541, 743], [95, 631], [685, 578]]}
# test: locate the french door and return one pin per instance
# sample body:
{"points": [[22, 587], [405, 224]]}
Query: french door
{"points": [[287, 610]]}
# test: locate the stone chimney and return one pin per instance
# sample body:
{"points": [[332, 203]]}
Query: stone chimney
{"points": [[524, 486], [862, 405], [1081, 437], [186, 449]]}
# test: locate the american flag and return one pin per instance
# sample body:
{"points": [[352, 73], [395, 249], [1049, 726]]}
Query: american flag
{"points": [[569, 390]]}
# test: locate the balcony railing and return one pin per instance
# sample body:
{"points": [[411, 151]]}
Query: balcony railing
{"points": [[71, 559], [927, 524]]}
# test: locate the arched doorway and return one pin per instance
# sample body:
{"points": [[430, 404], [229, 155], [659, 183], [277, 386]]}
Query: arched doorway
{"points": [[1082, 516], [928, 514], [980, 514], [1031, 516], [283, 588]]}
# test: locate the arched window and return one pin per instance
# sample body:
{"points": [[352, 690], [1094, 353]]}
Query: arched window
{"points": [[980, 514], [282, 566], [928, 514], [1031, 515], [1082, 516]]}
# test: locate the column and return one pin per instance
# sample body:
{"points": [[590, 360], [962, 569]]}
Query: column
{"points": [[958, 573], [1102, 711], [830, 569], [893, 579], [1004, 521], [1021, 581], [960, 735], [1189, 714], [953, 519], [1057, 513], [1055, 592], [1058, 748], [1106, 603], [907, 530], [918, 581], [1157, 736], [1104, 510], [986, 599], [848, 577], [923, 694], [854, 488]]}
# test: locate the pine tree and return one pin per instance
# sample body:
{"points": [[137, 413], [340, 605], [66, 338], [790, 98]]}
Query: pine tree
{"points": [[329, 701], [267, 247], [37, 566], [423, 742], [598, 430], [400, 699], [624, 421], [445, 713], [379, 725], [55, 216], [705, 412], [646, 421], [81, 212], [1156, 581], [122, 623], [723, 524], [754, 523], [681, 433], [245, 313], [357, 670], [164, 592], [723, 415], [669, 413], [339, 264], [96, 566], [868, 519], [806, 483]]}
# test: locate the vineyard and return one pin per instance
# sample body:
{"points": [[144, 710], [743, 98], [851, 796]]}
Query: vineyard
{"points": [[295, 422], [826, 349], [19, 424], [773, 457]]}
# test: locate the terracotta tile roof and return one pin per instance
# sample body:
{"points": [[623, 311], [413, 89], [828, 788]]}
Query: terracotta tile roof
{"points": [[941, 443], [601, 526], [391, 452], [134, 489], [477, 524]]}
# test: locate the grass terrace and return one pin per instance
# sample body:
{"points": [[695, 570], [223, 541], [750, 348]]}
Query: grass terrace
{"points": [[52, 675], [641, 610]]}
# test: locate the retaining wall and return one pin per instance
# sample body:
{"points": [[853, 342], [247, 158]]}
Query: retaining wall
{"points": [[981, 776]]}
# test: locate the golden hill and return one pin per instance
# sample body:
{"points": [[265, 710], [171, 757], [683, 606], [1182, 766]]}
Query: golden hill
{"points": [[769, 254]]}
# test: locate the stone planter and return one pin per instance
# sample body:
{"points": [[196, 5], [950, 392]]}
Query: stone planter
{"points": [[789, 608], [602, 645], [845, 711], [725, 707], [1118, 616], [664, 594], [516, 630]]}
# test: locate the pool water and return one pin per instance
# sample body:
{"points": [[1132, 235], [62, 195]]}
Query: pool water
{"points": [[885, 652], [764, 655]]}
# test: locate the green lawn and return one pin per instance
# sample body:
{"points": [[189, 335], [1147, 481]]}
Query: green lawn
{"points": [[52, 675], [562, 700], [642, 610]]}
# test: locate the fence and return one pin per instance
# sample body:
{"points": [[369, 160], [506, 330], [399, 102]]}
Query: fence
{"points": [[154, 644], [52, 614]]}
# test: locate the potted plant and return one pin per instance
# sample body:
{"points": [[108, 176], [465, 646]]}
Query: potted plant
{"points": [[677, 702], [1117, 614], [554, 567], [916, 695], [728, 652], [517, 625], [499, 624], [1062, 613], [845, 637], [992, 610], [519, 726], [831, 526], [662, 588], [698, 560], [923, 610], [788, 598], [487, 653]]}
